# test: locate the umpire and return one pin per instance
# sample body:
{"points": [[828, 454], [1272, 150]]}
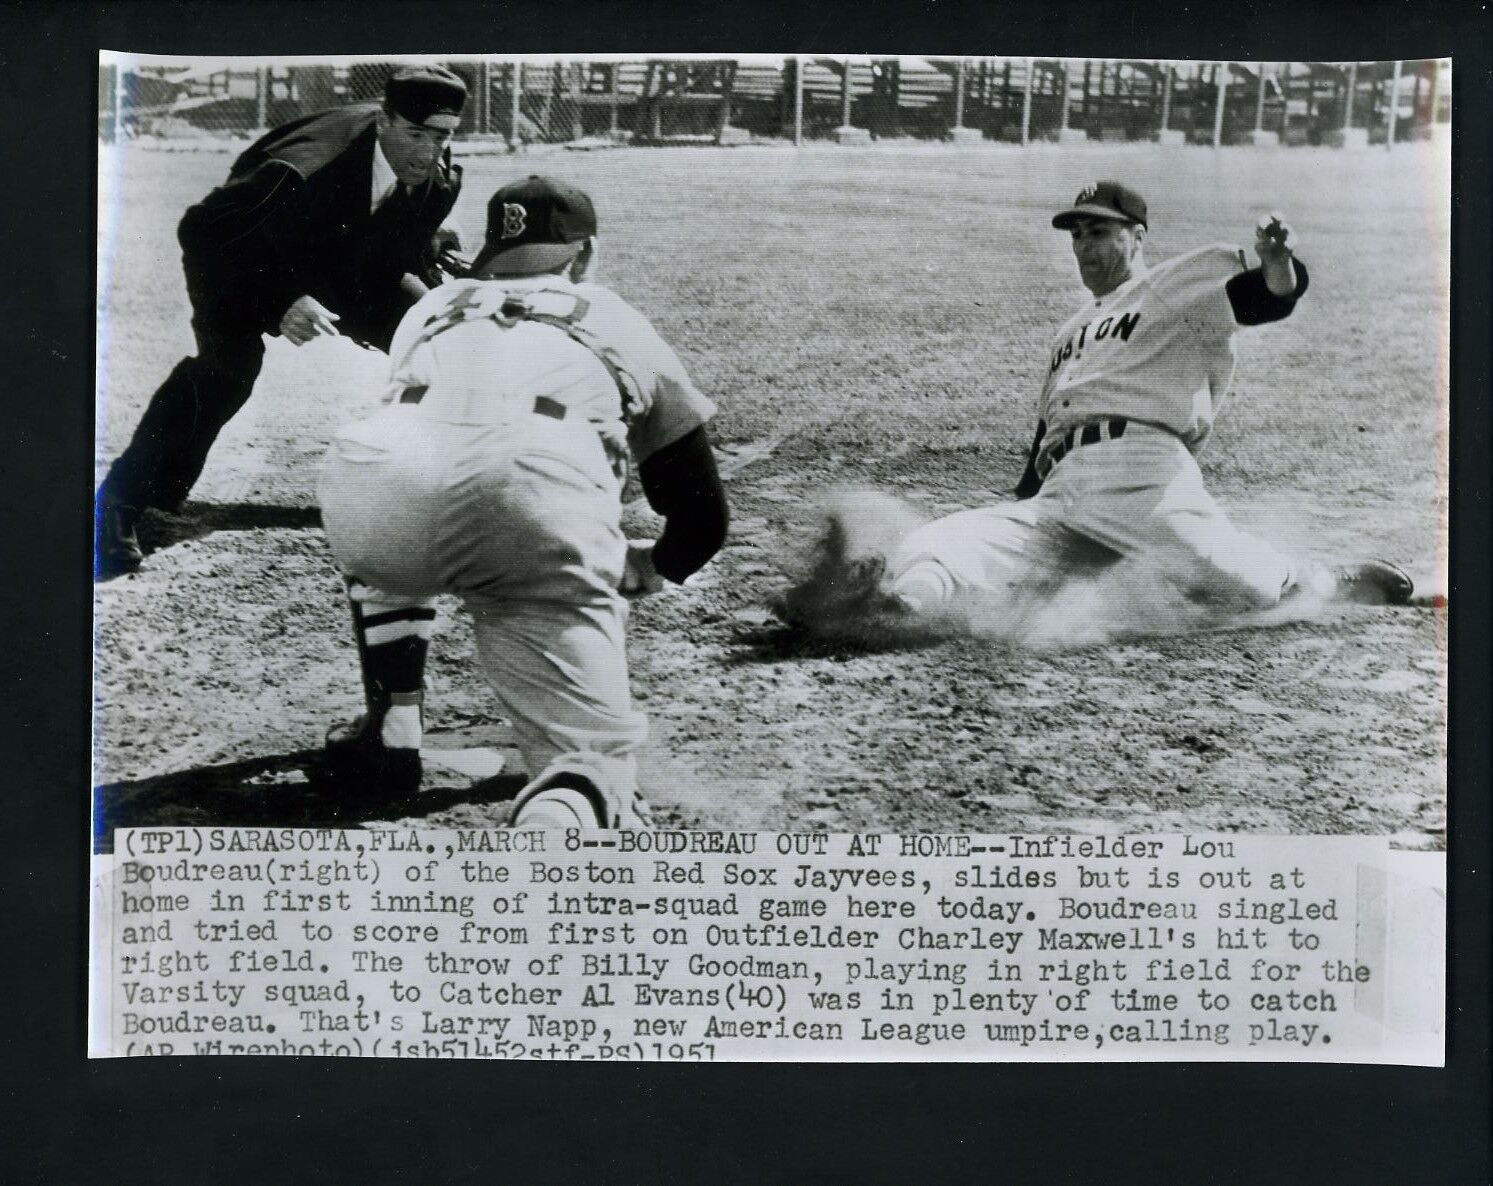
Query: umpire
{"points": [[328, 224]]}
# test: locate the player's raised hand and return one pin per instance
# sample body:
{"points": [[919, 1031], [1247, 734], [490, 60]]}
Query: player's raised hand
{"points": [[1276, 247], [307, 318], [1274, 239]]}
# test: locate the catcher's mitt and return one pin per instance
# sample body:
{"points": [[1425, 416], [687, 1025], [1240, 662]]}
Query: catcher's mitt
{"points": [[453, 263]]}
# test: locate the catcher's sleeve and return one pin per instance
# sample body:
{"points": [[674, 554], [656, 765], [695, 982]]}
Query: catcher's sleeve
{"points": [[1030, 483], [682, 484]]}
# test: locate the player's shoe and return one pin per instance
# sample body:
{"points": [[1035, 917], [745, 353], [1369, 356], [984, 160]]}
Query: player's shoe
{"points": [[356, 757], [1376, 582], [116, 547], [572, 800]]}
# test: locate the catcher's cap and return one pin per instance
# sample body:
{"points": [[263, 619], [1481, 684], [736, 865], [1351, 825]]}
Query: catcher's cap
{"points": [[423, 94], [534, 226], [1103, 199]]}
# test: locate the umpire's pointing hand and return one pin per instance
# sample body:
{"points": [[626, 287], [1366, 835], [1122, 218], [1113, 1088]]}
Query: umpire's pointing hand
{"points": [[307, 318]]}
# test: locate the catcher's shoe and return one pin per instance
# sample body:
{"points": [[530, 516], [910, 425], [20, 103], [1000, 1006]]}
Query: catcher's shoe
{"points": [[356, 756], [1376, 582], [116, 548], [571, 800]]}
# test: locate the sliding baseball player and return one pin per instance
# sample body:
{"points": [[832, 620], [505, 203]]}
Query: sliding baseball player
{"points": [[1134, 380]]}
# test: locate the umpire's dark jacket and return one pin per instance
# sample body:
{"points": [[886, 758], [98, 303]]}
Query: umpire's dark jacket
{"points": [[294, 218]]}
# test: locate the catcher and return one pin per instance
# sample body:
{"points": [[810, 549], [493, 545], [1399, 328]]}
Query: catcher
{"points": [[1133, 382], [516, 398]]}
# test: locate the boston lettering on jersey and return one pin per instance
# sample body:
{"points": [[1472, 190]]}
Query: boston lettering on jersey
{"points": [[1115, 328]]}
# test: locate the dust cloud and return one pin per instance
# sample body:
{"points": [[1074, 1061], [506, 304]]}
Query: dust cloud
{"points": [[1058, 603]]}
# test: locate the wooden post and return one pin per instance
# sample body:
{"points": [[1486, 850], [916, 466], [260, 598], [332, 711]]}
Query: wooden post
{"points": [[727, 77], [1063, 127], [959, 95], [1026, 101], [1285, 100], [1084, 97], [798, 101], [1221, 79], [1394, 108], [1348, 101], [515, 99], [1101, 101], [577, 89], [546, 109], [1435, 93], [615, 93], [1260, 100], [484, 97], [845, 94], [1166, 96], [642, 116], [893, 75], [1109, 94], [261, 98], [119, 97]]}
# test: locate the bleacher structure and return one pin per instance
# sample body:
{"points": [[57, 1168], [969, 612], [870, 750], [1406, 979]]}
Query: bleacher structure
{"points": [[728, 101]]}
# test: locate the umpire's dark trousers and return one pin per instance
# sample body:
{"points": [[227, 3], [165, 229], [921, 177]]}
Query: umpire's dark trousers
{"points": [[170, 447], [202, 394]]}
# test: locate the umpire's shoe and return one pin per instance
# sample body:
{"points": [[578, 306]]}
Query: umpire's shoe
{"points": [[1376, 582], [116, 548], [369, 773]]}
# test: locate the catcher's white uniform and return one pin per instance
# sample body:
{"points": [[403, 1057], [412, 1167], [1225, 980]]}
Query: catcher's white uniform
{"points": [[496, 473], [1133, 382]]}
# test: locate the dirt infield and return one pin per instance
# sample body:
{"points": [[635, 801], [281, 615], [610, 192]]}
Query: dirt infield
{"points": [[866, 318]]}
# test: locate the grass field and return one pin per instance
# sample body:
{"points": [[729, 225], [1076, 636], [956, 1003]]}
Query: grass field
{"points": [[869, 318]]}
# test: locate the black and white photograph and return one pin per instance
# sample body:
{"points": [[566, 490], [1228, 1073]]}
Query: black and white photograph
{"points": [[958, 445], [836, 557]]}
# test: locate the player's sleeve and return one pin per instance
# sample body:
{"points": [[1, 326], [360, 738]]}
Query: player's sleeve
{"points": [[682, 483], [667, 436], [411, 361], [1194, 286], [1030, 483], [245, 240], [674, 405], [1253, 302]]}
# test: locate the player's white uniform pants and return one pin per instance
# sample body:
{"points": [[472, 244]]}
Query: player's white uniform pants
{"points": [[522, 520], [1140, 494]]}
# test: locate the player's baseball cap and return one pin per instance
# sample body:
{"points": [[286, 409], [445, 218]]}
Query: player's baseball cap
{"points": [[533, 226], [1103, 199], [423, 94]]}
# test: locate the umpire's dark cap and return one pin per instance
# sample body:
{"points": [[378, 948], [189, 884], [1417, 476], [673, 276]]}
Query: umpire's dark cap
{"points": [[534, 226], [1103, 199], [420, 93]]}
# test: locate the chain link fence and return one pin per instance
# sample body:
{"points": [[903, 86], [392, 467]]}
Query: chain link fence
{"points": [[732, 101]]}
